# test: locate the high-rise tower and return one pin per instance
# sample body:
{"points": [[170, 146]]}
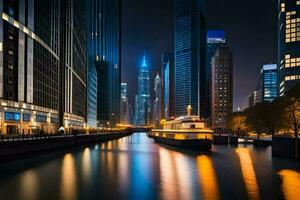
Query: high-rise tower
{"points": [[142, 109], [156, 116], [190, 71]]}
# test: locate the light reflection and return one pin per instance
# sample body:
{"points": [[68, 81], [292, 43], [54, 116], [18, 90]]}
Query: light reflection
{"points": [[69, 179], [207, 178], [248, 173], [29, 185], [184, 176], [167, 174], [86, 165], [290, 184]]}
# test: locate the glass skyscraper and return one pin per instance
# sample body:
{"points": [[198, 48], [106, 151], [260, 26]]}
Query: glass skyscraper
{"points": [[124, 104], [190, 69], [104, 65], [156, 116], [142, 99], [29, 66], [289, 44], [168, 105]]}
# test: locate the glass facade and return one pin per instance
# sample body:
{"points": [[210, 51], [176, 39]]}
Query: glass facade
{"points": [[168, 105], [289, 44], [190, 70], [270, 83], [124, 104], [157, 102], [29, 66], [142, 109]]}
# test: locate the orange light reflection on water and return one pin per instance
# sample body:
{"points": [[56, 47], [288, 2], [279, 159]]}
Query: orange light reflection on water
{"points": [[68, 178], [207, 178], [290, 184], [248, 173]]}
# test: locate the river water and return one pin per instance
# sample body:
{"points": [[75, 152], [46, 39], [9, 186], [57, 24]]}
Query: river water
{"points": [[135, 167]]}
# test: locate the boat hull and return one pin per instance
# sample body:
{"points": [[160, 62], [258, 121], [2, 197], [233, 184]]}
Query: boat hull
{"points": [[194, 144]]}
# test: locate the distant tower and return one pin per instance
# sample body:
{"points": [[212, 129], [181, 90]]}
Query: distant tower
{"points": [[157, 101], [142, 108], [124, 104]]}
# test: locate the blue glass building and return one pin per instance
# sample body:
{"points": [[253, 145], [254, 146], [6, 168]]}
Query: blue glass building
{"points": [[168, 105], [190, 70], [269, 82], [104, 56], [142, 108], [289, 44]]}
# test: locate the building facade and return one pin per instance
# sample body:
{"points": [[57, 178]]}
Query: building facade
{"points": [[221, 87], [168, 84], [142, 99], [157, 104], [289, 44], [29, 66], [269, 82], [190, 70], [73, 65], [107, 33], [124, 104]]}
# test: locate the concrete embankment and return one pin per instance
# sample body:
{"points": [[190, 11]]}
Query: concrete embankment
{"points": [[12, 149], [284, 147]]}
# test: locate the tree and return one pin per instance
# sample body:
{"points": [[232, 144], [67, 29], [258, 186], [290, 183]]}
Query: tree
{"points": [[237, 122], [255, 118]]}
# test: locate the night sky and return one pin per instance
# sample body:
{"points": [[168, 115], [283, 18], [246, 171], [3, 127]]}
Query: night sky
{"points": [[250, 26]]}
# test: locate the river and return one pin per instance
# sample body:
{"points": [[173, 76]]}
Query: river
{"points": [[135, 167]]}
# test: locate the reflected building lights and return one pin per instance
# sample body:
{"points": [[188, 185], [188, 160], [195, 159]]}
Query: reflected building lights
{"points": [[207, 178], [29, 185], [290, 184], [86, 166], [248, 173], [167, 175], [68, 178]]}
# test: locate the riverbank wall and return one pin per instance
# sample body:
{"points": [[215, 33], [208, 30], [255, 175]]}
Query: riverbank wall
{"points": [[284, 147], [15, 148]]}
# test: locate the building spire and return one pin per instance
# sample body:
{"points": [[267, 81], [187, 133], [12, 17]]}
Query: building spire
{"points": [[144, 63]]}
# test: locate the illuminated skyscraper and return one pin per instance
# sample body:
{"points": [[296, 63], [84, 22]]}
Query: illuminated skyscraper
{"points": [[142, 108], [221, 87], [289, 44], [168, 99], [190, 66], [157, 102], [29, 66], [124, 104]]}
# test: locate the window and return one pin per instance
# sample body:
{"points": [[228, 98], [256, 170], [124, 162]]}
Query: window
{"points": [[12, 116], [26, 117]]}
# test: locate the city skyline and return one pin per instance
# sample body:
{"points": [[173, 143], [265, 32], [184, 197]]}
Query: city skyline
{"points": [[248, 56]]}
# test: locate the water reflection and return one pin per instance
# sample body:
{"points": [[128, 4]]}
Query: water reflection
{"points": [[207, 178], [68, 178], [290, 184], [167, 174], [86, 166], [29, 185], [248, 172]]}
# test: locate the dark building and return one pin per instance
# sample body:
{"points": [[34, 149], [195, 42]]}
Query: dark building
{"points": [[124, 104], [190, 70], [104, 56], [289, 44], [29, 66], [168, 84], [221, 87], [73, 64]]}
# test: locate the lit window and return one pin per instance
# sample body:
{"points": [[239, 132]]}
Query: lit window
{"points": [[5, 17]]}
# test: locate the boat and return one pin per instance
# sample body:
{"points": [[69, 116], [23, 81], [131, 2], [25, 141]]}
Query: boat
{"points": [[188, 132]]}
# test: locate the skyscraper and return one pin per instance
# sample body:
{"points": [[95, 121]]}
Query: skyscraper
{"points": [[124, 104], [168, 98], [221, 87], [289, 44], [190, 70], [142, 99], [73, 65], [104, 55], [29, 66], [157, 102]]}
